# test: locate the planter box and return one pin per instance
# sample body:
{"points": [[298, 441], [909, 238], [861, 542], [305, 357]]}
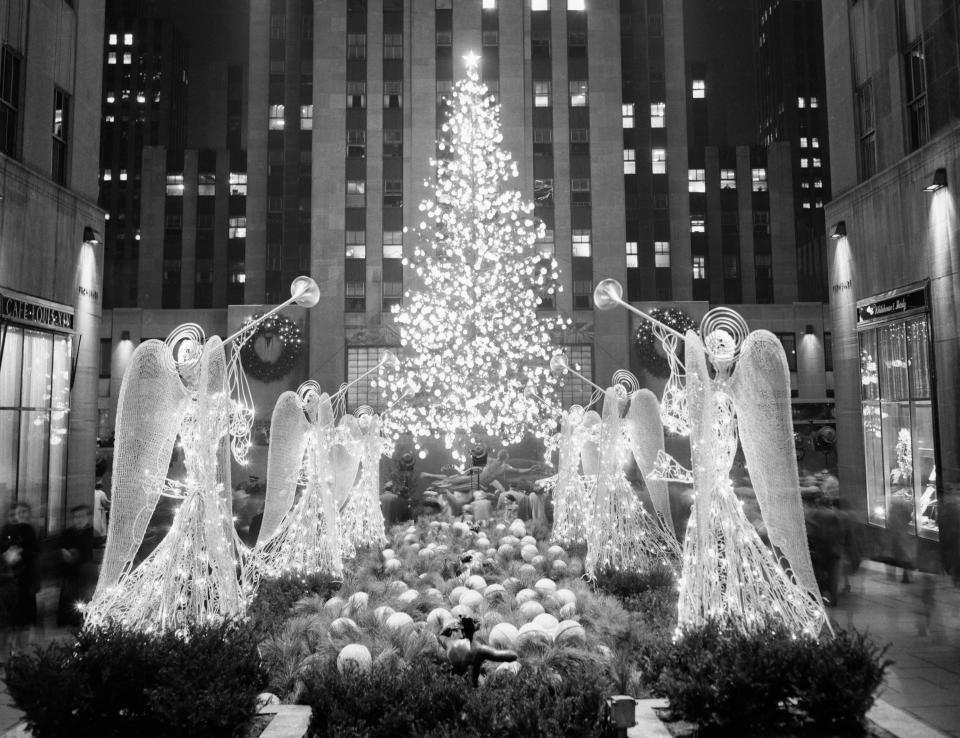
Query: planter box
{"points": [[888, 718]]}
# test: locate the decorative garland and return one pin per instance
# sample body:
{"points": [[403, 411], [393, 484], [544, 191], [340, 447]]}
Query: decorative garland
{"points": [[282, 328], [647, 345]]}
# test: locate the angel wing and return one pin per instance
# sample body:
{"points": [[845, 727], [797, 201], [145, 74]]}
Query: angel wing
{"points": [[645, 433], [289, 431], [324, 432], [345, 459], [760, 389], [590, 451], [214, 401], [150, 409]]}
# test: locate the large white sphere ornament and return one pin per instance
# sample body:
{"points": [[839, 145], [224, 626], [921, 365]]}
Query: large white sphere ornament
{"points": [[471, 598], [388, 553], [354, 656], [570, 633], [461, 611], [539, 560], [528, 540], [518, 528], [344, 627], [565, 597], [545, 586], [505, 551], [408, 596], [398, 621], [396, 587], [357, 602], [546, 622], [528, 552], [438, 617], [382, 613], [568, 610], [525, 595], [334, 605], [392, 565], [495, 593], [476, 582], [456, 593], [528, 571], [530, 610], [504, 635], [555, 552], [559, 567]]}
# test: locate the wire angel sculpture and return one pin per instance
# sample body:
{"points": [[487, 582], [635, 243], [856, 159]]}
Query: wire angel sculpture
{"points": [[736, 381], [729, 573], [574, 487], [620, 532], [191, 575], [300, 532], [361, 518]]}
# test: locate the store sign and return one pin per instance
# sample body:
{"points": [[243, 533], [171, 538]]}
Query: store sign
{"points": [[22, 309], [892, 306]]}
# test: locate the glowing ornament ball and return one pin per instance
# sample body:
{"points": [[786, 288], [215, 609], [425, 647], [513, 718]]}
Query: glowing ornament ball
{"points": [[354, 656]]}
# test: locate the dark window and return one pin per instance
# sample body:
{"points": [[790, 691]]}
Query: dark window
{"points": [[9, 100], [915, 68], [828, 351], [868, 133], [789, 342], [61, 132]]}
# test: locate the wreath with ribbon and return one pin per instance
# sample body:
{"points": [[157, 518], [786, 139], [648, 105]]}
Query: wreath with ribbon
{"points": [[274, 328], [647, 345]]}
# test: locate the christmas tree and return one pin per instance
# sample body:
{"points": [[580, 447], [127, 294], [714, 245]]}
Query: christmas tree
{"points": [[471, 336]]}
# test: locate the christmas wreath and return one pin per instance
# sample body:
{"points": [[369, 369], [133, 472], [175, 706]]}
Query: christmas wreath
{"points": [[274, 328], [647, 345]]}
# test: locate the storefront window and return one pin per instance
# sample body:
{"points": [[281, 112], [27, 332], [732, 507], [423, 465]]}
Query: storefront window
{"points": [[898, 427], [34, 411]]}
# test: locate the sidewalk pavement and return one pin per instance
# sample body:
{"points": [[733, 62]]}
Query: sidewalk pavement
{"points": [[920, 620]]}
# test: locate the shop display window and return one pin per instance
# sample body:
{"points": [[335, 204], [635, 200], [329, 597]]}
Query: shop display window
{"points": [[898, 435]]}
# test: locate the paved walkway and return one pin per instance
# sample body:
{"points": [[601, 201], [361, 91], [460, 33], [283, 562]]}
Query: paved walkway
{"points": [[920, 619]]}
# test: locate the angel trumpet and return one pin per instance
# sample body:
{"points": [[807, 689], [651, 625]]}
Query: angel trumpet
{"points": [[303, 291]]}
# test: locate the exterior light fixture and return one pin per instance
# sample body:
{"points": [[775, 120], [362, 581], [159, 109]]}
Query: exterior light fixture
{"points": [[808, 331], [939, 181], [90, 235], [125, 335], [839, 230]]}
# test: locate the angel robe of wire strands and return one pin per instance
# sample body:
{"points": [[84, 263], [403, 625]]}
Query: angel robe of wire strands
{"points": [[728, 572], [574, 488], [191, 576], [300, 529], [361, 518], [621, 533]]}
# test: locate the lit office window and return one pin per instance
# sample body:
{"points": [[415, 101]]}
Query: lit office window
{"points": [[356, 94], [489, 4], [107, 175], [579, 93], [541, 93], [112, 57], [536, 5], [696, 180], [356, 193], [237, 227], [633, 260], [661, 254], [658, 160], [804, 162], [801, 102], [815, 142], [276, 118], [813, 102], [759, 177], [238, 183], [817, 162], [627, 115], [128, 39], [112, 39], [127, 57], [355, 245], [818, 183], [803, 142], [728, 179], [576, 5], [699, 267], [699, 89], [206, 184], [629, 161], [175, 185], [657, 113], [581, 242], [698, 223], [123, 175], [393, 244], [306, 117]]}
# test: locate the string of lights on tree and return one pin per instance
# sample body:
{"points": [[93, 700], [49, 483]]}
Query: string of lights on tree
{"points": [[471, 333]]}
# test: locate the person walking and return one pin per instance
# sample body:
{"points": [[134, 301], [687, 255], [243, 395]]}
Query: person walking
{"points": [[19, 548], [78, 573]]}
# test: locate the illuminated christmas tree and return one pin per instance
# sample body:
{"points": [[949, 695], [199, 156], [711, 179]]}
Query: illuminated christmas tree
{"points": [[471, 334]]}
